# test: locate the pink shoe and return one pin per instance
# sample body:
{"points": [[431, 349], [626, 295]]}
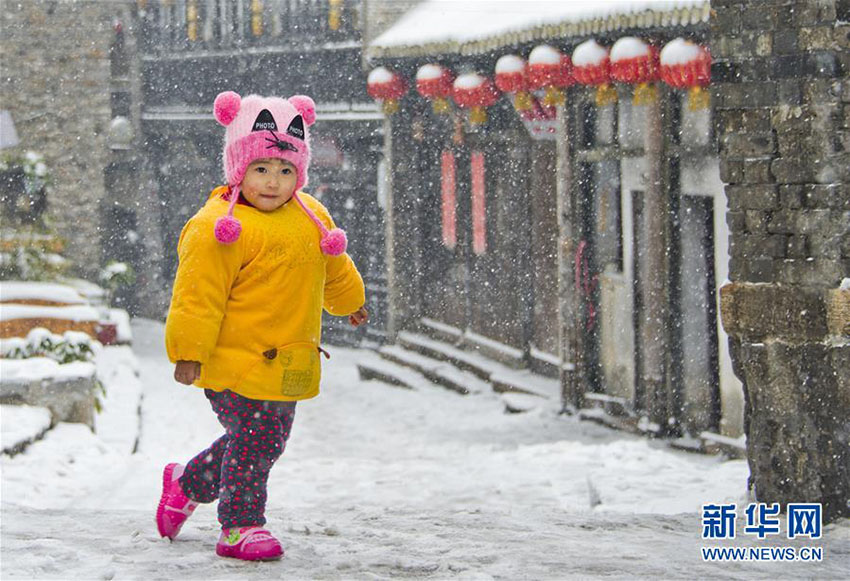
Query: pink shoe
{"points": [[248, 544], [174, 506]]}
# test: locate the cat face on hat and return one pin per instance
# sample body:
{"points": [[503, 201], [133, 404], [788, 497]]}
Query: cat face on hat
{"points": [[264, 127]]}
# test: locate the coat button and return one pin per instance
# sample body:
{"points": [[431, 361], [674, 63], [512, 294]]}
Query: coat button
{"points": [[270, 354]]}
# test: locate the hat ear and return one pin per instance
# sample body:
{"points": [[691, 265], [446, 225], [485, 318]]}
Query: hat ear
{"points": [[226, 107], [306, 107]]}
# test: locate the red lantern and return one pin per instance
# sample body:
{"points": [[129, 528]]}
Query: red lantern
{"points": [[386, 86], [511, 77], [550, 70], [435, 82], [592, 67], [475, 92], [685, 65], [635, 62]]}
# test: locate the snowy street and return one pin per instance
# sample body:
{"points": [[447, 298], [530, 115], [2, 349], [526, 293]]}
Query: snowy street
{"points": [[377, 482]]}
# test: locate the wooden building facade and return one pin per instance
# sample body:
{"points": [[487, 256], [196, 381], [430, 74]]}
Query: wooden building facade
{"points": [[586, 239], [191, 50]]}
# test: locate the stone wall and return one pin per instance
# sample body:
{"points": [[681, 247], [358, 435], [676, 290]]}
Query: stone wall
{"points": [[782, 110], [379, 15], [55, 82]]}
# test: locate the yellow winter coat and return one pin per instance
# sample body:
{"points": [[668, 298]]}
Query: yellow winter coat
{"points": [[251, 312]]}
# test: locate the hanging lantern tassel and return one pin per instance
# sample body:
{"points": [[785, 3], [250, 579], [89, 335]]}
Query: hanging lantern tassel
{"points": [[192, 19], [645, 93], [257, 17], [698, 99], [478, 115], [606, 94], [523, 101], [554, 96], [440, 105], [389, 106], [335, 14]]}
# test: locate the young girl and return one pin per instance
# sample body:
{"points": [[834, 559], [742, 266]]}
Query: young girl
{"points": [[257, 264]]}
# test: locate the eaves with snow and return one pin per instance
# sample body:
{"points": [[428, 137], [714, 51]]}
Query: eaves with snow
{"points": [[469, 27]]}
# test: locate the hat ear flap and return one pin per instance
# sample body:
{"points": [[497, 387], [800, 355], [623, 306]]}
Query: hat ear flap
{"points": [[306, 107], [226, 107]]}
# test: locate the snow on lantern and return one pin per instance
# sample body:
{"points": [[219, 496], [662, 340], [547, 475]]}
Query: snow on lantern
{"points": [[592, 67], [435, 83], [635, 62], [386, 86], [550, 70], [475, 92], [511, 77], [685, 65]]}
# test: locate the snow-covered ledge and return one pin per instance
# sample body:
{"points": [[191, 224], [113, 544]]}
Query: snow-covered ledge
{"points": [[68, 390]]}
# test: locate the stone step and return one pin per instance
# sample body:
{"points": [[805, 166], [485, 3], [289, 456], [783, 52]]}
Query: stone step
{"points": [[718, 444], [408, 369], [503, 378], [516, 403], [400, 368], [444, 352], [473, 343], [369, 371], [622, 423], [22, 425], [613, 405], [441, 332], [439, 372]]}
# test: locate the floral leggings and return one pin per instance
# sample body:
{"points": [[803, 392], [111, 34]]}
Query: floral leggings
{"points": [[235, 468]]}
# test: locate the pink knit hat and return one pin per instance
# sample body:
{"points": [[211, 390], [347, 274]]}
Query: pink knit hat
{"points": [[267, 127]]}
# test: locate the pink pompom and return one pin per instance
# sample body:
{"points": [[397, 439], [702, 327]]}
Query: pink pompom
{"points": [[226, 107], [334, 242], [227, 229], [306, 107]]}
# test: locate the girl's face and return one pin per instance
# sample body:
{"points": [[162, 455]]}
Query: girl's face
{"points": [[269, 183]]}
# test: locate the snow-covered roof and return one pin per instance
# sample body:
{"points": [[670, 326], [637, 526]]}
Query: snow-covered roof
{"points": [[477, 26]]}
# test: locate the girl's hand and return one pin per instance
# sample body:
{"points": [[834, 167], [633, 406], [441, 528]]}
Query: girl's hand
{"points": [[358, 317], [186, 372]]}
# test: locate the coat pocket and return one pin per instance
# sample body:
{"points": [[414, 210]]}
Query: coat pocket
{"points": [[291, 370]]}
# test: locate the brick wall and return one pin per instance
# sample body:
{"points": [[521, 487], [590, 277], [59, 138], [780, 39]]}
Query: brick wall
{"points": [[55, 82], [781, 94]]}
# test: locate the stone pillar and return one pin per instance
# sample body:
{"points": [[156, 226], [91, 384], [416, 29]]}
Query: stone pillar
{"points": [[782, 111], [572, 391], [403, 244], [655, 329], [394, 297]]}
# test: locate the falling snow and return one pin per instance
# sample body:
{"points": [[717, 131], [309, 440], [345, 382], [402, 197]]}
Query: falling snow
{"points": [[376, 483]]}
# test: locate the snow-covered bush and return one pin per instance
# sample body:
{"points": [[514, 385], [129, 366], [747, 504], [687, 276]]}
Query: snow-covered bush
{"points": [[36, 175], [116, 275], [26, 262], [40, 342]]}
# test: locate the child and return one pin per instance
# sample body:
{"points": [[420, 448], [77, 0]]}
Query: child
{"points": [[245, 316]]}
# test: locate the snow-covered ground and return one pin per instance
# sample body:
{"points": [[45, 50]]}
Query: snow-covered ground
{"points": [[377, 482]]}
